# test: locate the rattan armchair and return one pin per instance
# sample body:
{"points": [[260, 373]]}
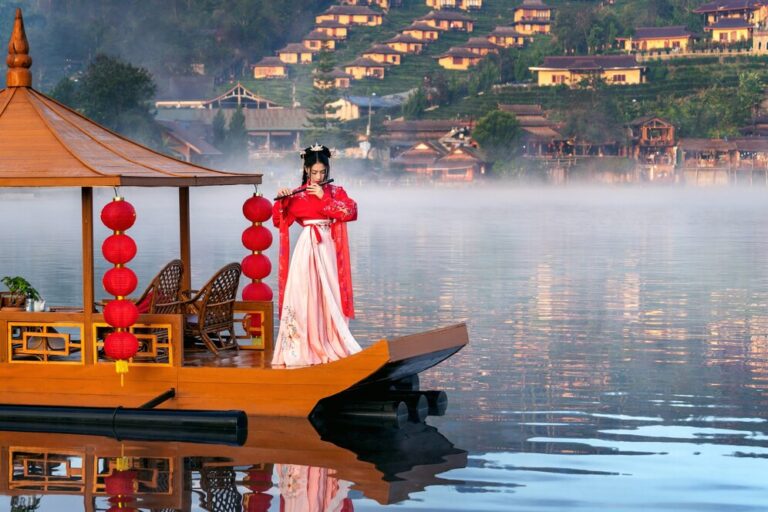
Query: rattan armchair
{"points": [[164, 291], [209, 312]]}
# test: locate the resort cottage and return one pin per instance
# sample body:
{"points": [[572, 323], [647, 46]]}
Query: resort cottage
{"points": [[449, 20], [422, 31], [351, 15], [480, 46], [365, 68], [533, 17], [269, 67], [318, 40], [730, 30], [383, 54], [506, 37], [465, 5], [405, 44], [333, 28], [295, 53], [657, 38], [612, 69], [458, 58]]}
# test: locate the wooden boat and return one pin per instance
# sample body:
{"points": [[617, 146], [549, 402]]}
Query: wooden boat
{"points": [[45, 144], [397, 463]]}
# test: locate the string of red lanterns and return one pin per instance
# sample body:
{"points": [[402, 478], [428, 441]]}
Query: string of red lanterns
{"points": [[120, 281], [121, 486], [257, 238]]}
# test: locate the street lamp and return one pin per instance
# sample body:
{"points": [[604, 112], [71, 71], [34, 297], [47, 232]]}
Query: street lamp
{"points": [[368, 128]]}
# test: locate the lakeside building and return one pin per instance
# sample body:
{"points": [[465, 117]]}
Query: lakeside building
{"points": [[533, 17], [457, 58], [383, 54], [295, 53], [270, 67], [449, 20], [658, 38], [572, 70], [190, 143], [539, 136], [351, 15], [404, 43], [654, 147], [506, 37], [237, 96], [431, 160]]}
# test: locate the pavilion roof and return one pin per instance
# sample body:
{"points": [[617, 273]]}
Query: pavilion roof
{"points": [[46, 144]]}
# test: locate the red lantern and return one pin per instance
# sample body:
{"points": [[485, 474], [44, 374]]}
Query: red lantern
{"points": [[257, 238], [120, 483], [257, 291], [118, 249], [121, 345], [256, 266], [118, 215], [119, 281], [257, 209], [121, 313]]}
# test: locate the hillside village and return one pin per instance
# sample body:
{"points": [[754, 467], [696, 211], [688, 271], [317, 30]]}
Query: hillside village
{"points": [[380, 71]]}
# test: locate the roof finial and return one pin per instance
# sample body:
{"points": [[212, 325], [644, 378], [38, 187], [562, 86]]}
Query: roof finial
{"points": [[18, 59]]}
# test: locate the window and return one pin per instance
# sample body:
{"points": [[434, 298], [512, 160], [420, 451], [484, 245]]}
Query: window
{"points": [[457, 61], [619, 78], [558, 79], [675, 44]]}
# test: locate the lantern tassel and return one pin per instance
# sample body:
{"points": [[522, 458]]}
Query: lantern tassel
{"points": [[121, 367]]}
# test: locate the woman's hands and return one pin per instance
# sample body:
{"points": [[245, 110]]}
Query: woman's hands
{"points": [[283, 192], [316, 190]]}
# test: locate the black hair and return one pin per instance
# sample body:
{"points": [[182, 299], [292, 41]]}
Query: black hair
{"points": [[312, 155]]}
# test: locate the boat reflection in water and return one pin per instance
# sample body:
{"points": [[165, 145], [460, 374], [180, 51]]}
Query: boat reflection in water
{"points": [[285, 459]]}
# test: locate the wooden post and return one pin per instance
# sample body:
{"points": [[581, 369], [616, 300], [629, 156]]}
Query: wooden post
{"points": [[88, 292], [184, 238]]}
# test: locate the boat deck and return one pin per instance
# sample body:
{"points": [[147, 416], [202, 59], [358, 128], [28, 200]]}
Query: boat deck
{"points": [[229, 359]]}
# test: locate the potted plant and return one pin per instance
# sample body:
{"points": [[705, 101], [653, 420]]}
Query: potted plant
{"points": [[19, 290]]}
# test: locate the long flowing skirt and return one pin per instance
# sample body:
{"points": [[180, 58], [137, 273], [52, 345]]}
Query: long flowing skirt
{"points": [[313, 328]]}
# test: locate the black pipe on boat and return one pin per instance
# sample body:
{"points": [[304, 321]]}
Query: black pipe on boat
{"points": [[418, 408], [390, 413], [162, 397], [218, 427]]}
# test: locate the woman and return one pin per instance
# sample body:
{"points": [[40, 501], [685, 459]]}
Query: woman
{"points": [[316, 291]]}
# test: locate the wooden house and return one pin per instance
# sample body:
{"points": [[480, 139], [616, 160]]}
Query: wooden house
{"points": [[539, 137], [612, 69], [351, 15], [405, 44], [333, 28], [365, 68], [653, 147], [422, 31], [465, 5], [383, 54], [730, 30], [420, 157], [400, 134], [506, 37], [269, 67], [295, 53], [657, 38], [239, 96], [754, 12], [348, 108], [462, 163], [341, 80], [706, 161], [448, 20], [480, 46], [533, 17], [458, 58], [318, 40], [188, 143]]}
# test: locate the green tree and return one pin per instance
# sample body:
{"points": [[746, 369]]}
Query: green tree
{"points": [[323, 126], [237, 137], [219, 127], [114, 94], [414, 106], [496, 132]]}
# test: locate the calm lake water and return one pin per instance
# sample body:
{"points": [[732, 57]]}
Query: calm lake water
{"points": [[619, 337]]}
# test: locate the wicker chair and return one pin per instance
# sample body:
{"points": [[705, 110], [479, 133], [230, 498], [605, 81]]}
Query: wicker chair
{"points": [[209, 313], [163, 293]]}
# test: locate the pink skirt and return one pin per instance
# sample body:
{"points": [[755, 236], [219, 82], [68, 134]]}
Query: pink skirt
{"points": [[313, 328]]}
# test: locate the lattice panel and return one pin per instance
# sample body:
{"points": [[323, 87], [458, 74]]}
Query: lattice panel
{"points": [[46, 342], [46, 471], [155, 474], [155, 345]]}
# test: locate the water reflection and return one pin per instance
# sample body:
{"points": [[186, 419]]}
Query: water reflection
{"points": [[286, 462]]}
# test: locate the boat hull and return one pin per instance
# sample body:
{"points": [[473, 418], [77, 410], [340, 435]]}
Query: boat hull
{"points": [[255, 390]]}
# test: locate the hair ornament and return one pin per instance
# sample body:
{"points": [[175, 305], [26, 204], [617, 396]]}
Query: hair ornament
{"points": [[316, 147]]}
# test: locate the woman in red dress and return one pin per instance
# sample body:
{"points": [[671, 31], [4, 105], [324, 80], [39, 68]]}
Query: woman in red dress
{"points": [[316, 290]]}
